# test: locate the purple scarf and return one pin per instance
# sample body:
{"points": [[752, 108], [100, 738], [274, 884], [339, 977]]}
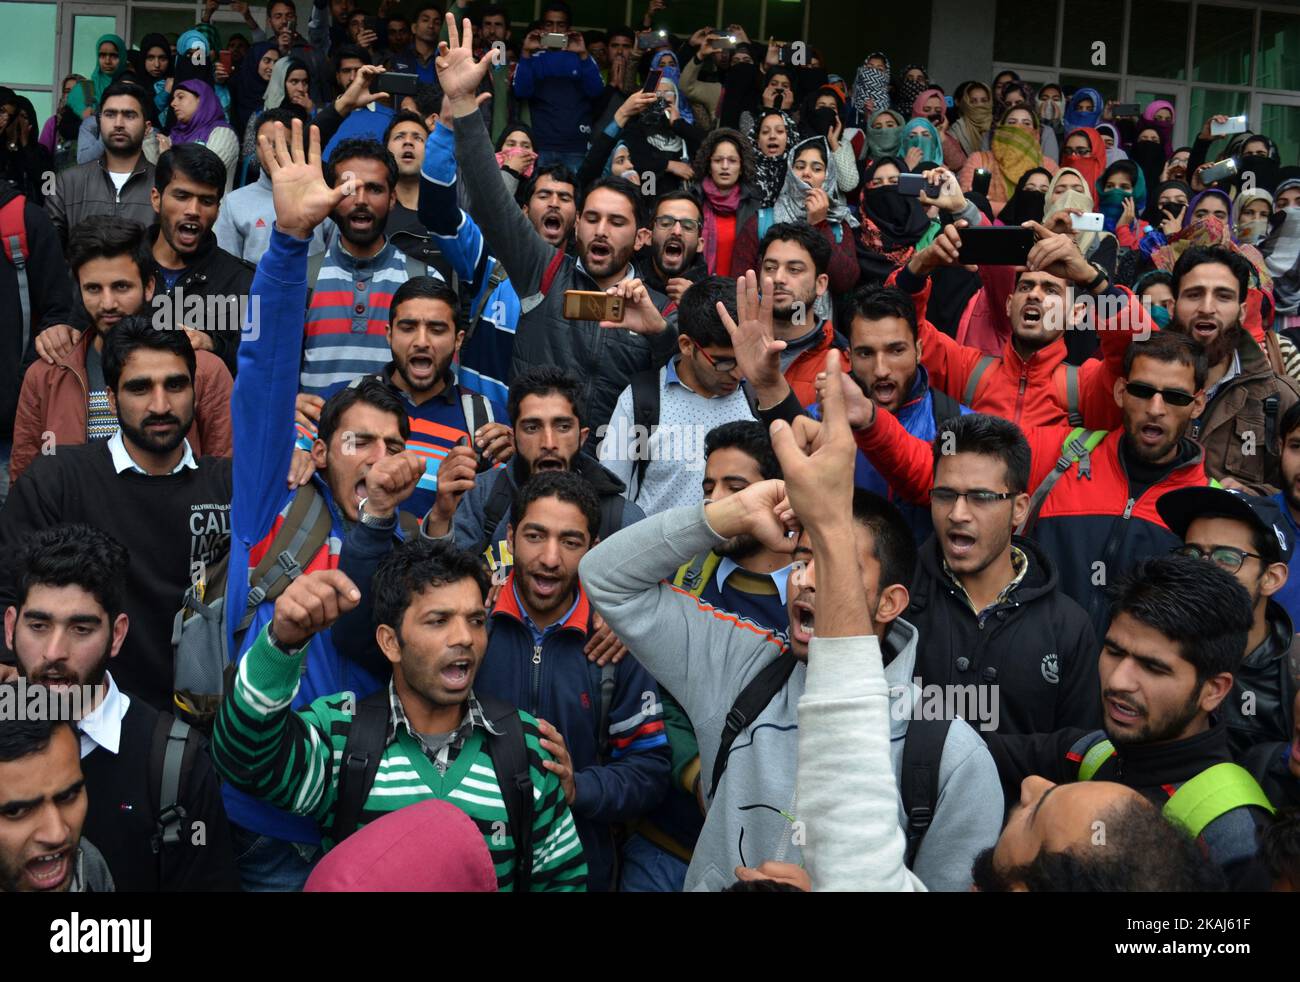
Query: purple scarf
{"points": [[720, 203], [207, 117]]}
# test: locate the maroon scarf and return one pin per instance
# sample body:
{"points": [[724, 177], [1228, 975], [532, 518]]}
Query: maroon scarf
{"points": [[720, 203]]}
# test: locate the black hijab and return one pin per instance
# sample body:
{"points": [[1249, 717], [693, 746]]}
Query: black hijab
{"points": [[1025, 205]]}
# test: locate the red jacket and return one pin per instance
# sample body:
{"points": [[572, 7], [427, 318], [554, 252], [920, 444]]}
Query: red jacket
{"points": [[1032, 392], [802, 373]]}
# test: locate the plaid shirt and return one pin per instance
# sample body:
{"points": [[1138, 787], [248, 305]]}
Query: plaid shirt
{"points": [[1019, 563], [441, 757]]}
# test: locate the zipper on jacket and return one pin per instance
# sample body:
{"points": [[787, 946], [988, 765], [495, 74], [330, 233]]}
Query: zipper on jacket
{"points": [[1020, 393], [536, 677]]}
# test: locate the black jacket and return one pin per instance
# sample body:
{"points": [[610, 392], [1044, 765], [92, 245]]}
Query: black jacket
{"points": [[50, 297], [1258, 710], [1155, 771], [213, 273], [1269, 764], [1037, 646], [644, 264]]}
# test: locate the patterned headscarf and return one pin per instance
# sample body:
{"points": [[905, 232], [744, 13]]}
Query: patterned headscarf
{"points": [[769, 176], [872, 84]]}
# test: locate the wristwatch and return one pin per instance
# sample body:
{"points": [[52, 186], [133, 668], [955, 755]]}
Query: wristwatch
{"points": [[1101, 277], [374, 521]]}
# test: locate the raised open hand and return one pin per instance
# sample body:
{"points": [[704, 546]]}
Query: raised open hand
{"points": [[302, 198], [459, 73]]}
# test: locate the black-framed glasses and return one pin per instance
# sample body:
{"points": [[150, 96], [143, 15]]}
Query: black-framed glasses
{"points": [[665, 222], [1227, 558], [1175, 397], [947, 497], [1076, 151], [722, 365]]}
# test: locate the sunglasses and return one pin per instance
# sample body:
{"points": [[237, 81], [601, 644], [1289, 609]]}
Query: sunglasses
{"points": [[1227, 558], [722, 365], [1175, 397], [947, 497]]}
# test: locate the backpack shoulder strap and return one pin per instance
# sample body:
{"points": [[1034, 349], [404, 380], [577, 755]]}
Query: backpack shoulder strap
{"points": [[922, 753], [13, 236], [751, 702], [973, 382], [1091, 751], [1078, 447], [694, 575], [495, 508], [171, 758], [415, 266], [608, 677], [1214, 792], [360, 763], [509, 755], [552, 270], [1271, 404], [314, 263], [1072, 410], [943, 406], [495, 279], [611, 514], [645, 415], [477, 410], [304, 530]]}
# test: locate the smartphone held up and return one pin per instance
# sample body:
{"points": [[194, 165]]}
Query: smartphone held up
{"points": [[592, 305]]}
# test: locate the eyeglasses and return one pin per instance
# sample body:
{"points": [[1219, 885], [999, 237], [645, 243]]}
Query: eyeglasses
{"points": [[1227, 558], [722, 365], [1076, 152], [947, 497], [665, 222], [1175, 397]]}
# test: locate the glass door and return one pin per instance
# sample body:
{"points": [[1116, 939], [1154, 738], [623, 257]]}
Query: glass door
{"points": [[80, 26], [1145, 91], [1278, 117]]}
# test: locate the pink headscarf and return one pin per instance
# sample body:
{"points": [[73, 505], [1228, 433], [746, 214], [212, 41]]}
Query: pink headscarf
{"points": [[920, 100]]}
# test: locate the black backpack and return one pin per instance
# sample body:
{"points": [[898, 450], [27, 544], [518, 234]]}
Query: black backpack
{"points": [[922, 750], [365, 747], [172, 751]]}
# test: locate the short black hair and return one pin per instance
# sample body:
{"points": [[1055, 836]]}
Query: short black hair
{"points": [[751, 438], [428, 6], [369, 389], [593, 37], [400, 117], [988, 436], [803, 234], [875, 302], [361, 149], [415, 565], [397, 15], [107, 237], [24, 737], [1169, 347], [1199, 255], [423, 288], [196, 162], [134, 332], [281, 3], [493, 10], [284, 113], [544, 380], [428, 99], [697, 313], [1290, 420], [1151, 278], [125, 87], [556, 172], [1143, 852], [571, 488], [1279, 847], [619, 185], [348, 51], [72, 555], [561, 6], [681, 194], [893, 545], [622, 31], [1191, 602]]}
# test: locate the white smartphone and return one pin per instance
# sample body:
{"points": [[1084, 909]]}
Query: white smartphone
{"points": [[1233, 124], [1089, 221]]}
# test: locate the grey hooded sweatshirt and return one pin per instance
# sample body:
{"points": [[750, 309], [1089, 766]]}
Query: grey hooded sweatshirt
{"points": [[705, 657]]}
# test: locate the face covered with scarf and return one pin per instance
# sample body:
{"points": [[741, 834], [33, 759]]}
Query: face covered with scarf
{"points": [[975, 117], [911, 83], [920, 133], [1050, 103], [871, 84], [1084, 109], [812, 166], [884, 133], [1250, 215], [1015, 145], [1122, 181], [1085, 152]]}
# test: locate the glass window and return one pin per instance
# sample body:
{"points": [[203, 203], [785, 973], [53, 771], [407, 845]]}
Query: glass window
{"points": [[1223, 40], [1108, 87], [1024, 32], [1282, 124], [86, 30], [174, 23], [521, 12], [746, 13], [27, 43], [1157, 40], [1210, 102], [1144, 98], [683, 17], [591, 14], [1279, 37], [785, 19], [1100, 47]]}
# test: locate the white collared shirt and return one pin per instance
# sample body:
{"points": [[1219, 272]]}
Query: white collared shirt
{"points": [[103, 726], [780, 577], [122, 461]]}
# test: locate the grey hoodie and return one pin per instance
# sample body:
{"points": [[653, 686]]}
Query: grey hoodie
{"points": [[237, 227], [90, 874], [705, 657]]}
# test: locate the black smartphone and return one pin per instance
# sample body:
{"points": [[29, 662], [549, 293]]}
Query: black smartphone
{"points": [[980, 182], [1122, 109], [911, 185], [995, 245], [396, 83], [652, 80]]}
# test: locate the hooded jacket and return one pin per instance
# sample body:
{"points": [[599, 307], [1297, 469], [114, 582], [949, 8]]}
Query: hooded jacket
{"points": [[1037, 644], [705, 657], [554, 681]]}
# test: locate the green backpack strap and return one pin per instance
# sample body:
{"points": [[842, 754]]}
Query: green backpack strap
{"points": [[973, 382], [1215, 791], [1078, 446], [1097, 754], [692, 576]]}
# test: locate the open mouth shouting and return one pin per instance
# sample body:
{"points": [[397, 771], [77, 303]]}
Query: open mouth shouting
{"points": [[550, 462], [674, 253], [803, 621], [1151, 434], [1123, 712], [49, 870], [960, 543], [544, 585], [884, 391], [599, 252], [1205, 331], [361, 220], [420, 368], [552, 225], [456, 674], [186, 235], [1031, 314]]}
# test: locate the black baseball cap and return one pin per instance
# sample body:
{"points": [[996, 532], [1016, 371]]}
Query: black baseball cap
{"points": [[1179, 509]]}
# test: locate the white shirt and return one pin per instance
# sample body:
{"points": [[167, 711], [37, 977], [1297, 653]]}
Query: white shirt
{"points": [[122, 461], [103, 726], [780, 577]]}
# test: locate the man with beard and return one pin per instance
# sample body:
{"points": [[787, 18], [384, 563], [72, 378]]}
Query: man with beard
{"points": [[1092, 510], [1177, 629], [610, 220], [430, 615], [354, 280], [473, 509], [144, 486], [707, 658], [424, 339], [673, 261], [65, 399], [604, 727], [41, 847], [188, 183], [1288, 502], [1244, 397], [65, 623], [119, 182], [654, 440], [1247, 536]]}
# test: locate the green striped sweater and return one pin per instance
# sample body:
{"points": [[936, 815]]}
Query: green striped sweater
{"points": [[291, 761]]}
